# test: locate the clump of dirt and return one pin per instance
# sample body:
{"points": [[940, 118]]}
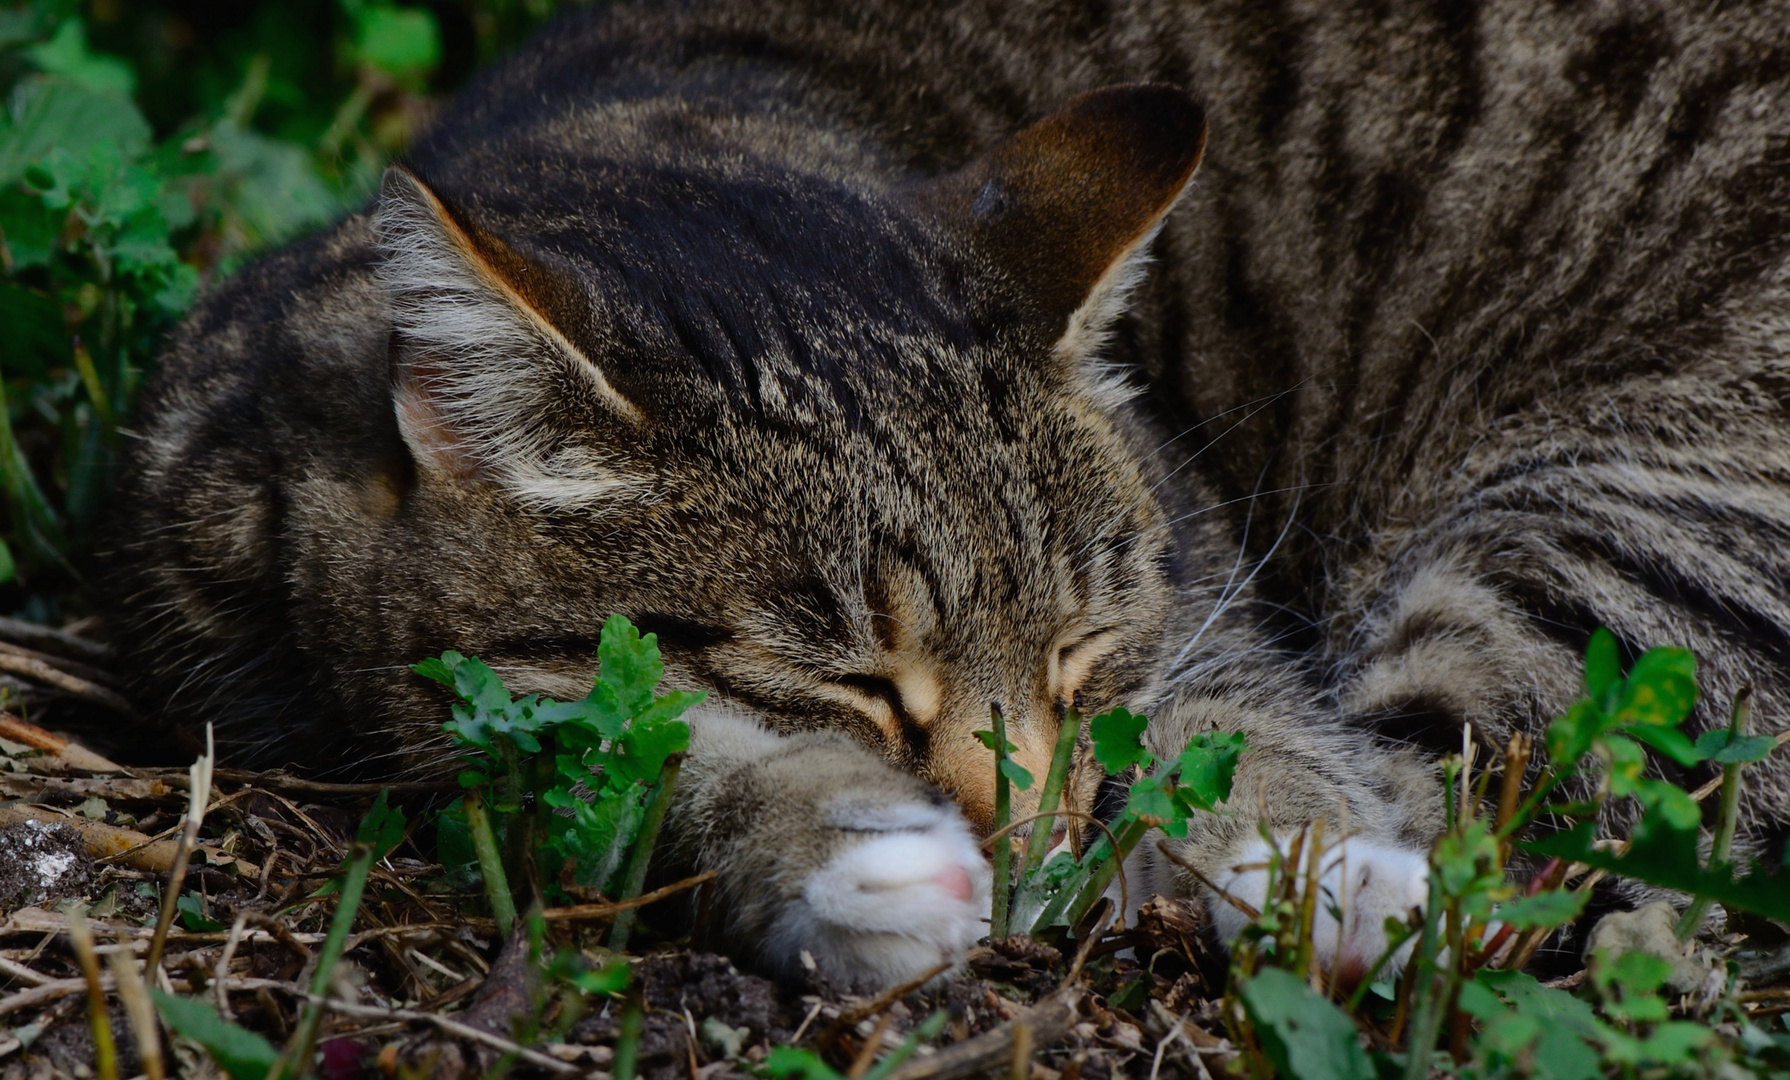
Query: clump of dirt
{"points": [[69, 1042], [40, 864], [732, 1014], [707, 985]]}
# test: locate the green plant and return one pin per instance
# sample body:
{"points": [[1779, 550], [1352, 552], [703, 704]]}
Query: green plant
{"points": [[599, 771], [795, 1063], [1458, 1006], [145, 153], [1061, 891]]}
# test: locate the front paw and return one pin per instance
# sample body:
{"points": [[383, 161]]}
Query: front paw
{"points": [[906, 889], [1362, 883]]}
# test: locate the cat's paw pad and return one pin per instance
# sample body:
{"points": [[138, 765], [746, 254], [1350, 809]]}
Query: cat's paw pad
{"points": [[912, 893], [1362, 883]]}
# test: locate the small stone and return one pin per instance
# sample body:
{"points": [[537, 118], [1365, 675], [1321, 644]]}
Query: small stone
{"points": [[1652, 929], [724, 1037], [41, 863]]}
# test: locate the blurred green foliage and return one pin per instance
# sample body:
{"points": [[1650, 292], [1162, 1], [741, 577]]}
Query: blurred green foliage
{"points": [[146, 149]]}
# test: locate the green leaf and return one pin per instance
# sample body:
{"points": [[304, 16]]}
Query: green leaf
{"points": [[629, 665], [66, 54], [16, 27], [1150, 800], [1465, 861], [1667, 740], [1015, 773], [1118, 742], [1133, 995], [192, 914], [1569, 738], [272, 189], [598, 834], [32, 236], [1603, 669], [399, 41], [1661, 690], [669, 706], [1678, 1041], [606, 752], [453, 845], [36, 336], [1724, 748], [50, 113], [987, 739], [1664, 853], [439, 669], [1672, 802], [479, 686], [238, 1051], [8, 568], [1303, 1033], [1563, 1051], [1546, 909], [611, 979], [641, 753], [1208, 766], [794, 1063], [382, 829]]}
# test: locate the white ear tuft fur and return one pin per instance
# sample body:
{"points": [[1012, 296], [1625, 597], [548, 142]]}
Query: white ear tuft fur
{"points": [[475, 384], [1083, 343]]}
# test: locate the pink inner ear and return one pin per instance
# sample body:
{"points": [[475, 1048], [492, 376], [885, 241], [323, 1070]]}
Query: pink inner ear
{"points": [[429, 433], [1068, 198]]}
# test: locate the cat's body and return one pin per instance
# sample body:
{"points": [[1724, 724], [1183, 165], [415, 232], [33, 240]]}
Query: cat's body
{"points": [[1472, 335]]}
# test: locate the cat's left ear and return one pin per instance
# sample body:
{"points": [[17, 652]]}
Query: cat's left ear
{"points": [[1067, 207]]}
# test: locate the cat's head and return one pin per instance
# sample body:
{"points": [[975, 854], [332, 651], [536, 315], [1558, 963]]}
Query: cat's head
{"points": [[848, 449]]}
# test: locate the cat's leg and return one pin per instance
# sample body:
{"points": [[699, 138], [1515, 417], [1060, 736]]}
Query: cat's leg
{"points": [[1483, 622], [1304, 765], [819, 847]]}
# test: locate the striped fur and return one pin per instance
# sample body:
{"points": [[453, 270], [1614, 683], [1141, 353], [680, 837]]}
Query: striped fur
{"points": [[1472, 334]]}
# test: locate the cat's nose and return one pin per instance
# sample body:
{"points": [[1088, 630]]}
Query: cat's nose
{"points": [[955, 880]]}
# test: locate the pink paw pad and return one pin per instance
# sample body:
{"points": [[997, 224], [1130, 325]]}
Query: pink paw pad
{"points": [[955, 880]]}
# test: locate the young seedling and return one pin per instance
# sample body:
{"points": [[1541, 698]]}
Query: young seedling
{"points": [[1006, 772], [1064, 889], [600, 770], [1732, 753]]}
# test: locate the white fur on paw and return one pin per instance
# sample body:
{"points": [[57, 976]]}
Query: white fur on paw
{"points": [[1364, 881], [913, 893]]}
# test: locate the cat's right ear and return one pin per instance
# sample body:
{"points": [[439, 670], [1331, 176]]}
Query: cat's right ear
{"points": [[485, 383], [1066, 208]]}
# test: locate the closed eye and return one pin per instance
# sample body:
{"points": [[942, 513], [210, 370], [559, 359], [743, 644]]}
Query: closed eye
{"points": [[1075, 661], [874, 687], [881, 702]]}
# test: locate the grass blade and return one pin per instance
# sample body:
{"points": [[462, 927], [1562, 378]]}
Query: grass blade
{"points": [[105, 1051], [641, 855], [484, 846], [1727, 817], [627, 1038], [1131, 833], [1061, 757], [1003, 813], [379, 832]]}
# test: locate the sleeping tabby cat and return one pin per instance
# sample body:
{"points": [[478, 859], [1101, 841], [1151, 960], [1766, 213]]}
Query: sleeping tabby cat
{"points": [[887, 360]]}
